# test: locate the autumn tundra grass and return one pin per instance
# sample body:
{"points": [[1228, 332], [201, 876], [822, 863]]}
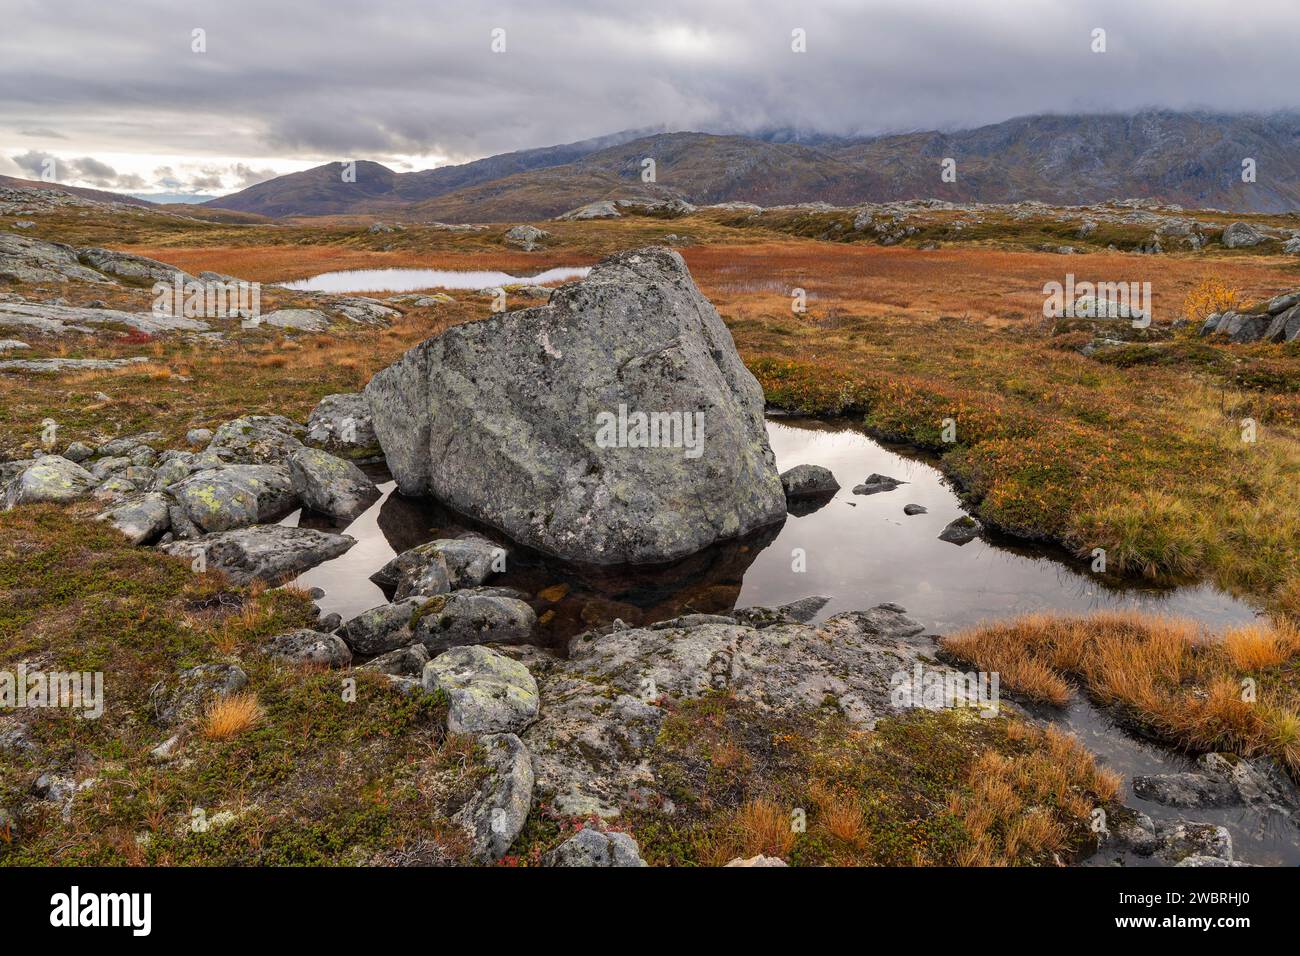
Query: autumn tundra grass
{"points": [[1238, 691], [928, 788]]}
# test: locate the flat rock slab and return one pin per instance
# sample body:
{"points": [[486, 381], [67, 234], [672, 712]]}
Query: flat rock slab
{"points": [[268, 552], [55, 365]]}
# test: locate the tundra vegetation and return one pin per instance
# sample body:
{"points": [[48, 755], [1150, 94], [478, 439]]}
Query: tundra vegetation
{"points": [[1136, 448]]}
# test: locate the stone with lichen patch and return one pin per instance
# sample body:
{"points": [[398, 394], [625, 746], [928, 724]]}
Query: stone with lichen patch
{"points": [[487, 692]]}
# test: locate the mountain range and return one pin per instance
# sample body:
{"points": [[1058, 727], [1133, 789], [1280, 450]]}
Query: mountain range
{"points": [[1194, 159]]}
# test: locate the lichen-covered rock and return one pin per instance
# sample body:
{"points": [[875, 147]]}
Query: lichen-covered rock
{"points": [[341, 424], [382, 629], [257, 439], [406, 661], [528, 420], [592, 847], [188, 694], [526, 237], [487, 692], [1239, 235], [473, 616], [236, 496], [469, 560], [330, 485], [51, 478], [301, 320], [759, 860], [494, 816], [143, 519], [603, 703], [269, 553], [305, 646]]}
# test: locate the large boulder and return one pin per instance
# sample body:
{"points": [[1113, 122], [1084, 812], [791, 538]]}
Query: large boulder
{"points": [[616, 424], [52, 478], [330, 485]]}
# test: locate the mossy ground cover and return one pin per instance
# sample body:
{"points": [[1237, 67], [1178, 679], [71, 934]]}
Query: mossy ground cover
{"points": [[318, 779]]}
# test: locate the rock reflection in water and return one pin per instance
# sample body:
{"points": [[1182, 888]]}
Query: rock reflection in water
{"points": [[568, 598]]}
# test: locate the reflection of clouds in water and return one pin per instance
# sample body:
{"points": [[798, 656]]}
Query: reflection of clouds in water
{"points": [[871, 552]]}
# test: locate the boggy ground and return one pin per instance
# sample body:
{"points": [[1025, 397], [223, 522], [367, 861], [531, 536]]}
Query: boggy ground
{"points": [[1137, 450]]}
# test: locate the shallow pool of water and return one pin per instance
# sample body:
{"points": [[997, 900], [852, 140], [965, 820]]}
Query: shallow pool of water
{"points": [[412, 280], [858, 550]]}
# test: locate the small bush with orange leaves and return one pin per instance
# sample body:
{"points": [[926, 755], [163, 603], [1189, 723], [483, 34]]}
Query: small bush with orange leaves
{"points": [[1209, 296], [1237, 691]]}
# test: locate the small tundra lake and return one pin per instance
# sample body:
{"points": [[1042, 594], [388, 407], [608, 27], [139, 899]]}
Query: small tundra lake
{"points": [[413, 280]]}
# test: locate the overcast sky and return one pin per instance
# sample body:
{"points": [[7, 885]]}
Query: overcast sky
{"points": [[114, 91]]}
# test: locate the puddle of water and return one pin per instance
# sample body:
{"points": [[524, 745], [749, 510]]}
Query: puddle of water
{"points": [[1259, 837], [860, 550], [412, 280]]}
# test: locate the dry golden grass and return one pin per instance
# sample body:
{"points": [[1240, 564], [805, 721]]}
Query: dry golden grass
{"points": [[231, 715], [1237, 691], [764, 828], [1017, 807]]}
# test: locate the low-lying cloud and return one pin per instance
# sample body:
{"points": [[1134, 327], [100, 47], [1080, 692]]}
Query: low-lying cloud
{"points": [[394, 79]]}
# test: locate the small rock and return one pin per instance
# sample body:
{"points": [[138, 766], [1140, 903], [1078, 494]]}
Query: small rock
{"points": [[406, 661], [189, 693], [875, 484], [961, 530], [915, 509], [306, 646], [474, 616], [330, 485], [591, 847], [808, 481], [758, 861], [142, 519], [496, 814], [488, 692]]}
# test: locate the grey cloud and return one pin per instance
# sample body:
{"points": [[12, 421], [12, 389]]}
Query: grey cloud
{"points": [[392, 77]]}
